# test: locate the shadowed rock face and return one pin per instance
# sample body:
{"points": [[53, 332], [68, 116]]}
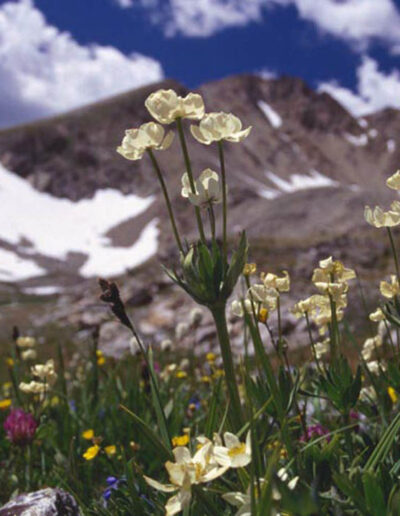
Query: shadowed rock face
{"points": [[298, 184], [47, 502]]}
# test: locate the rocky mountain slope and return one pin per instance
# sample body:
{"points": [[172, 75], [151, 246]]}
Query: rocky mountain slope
{"points": [[298, 185]]}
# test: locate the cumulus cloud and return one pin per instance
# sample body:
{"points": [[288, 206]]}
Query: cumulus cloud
{"points": [[356, 21], [375, 90], [44, 71]]}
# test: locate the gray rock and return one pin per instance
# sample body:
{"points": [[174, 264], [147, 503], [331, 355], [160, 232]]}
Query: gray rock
{"points": [[46, 502]]}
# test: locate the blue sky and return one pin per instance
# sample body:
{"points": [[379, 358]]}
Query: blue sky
{"points": [[350, 48]]}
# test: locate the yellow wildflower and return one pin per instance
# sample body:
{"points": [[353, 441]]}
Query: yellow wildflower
{"points": [[88, 434], [91, 452], [100, 358], [263, 315], [249, 269], [210, 357], [205, 379], [9, 362], [110, 450], [181, 374], [5, 404], [392, 394], [180, 440]]}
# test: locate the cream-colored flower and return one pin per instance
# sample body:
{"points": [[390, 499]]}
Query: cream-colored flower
{"points": [[265, 295], [281, 284], [207, 189], [29, 354], [45, 372], [330, 268], [303, 307], [147, 136], [394, 181], [234, 454], [219, 126], [391, 289], [26, 342], [370, 346], [166, 106], [237, 307], [375, 367], [377, 316], [33, 387], [185, 472], [379, 218], [322, 348]]}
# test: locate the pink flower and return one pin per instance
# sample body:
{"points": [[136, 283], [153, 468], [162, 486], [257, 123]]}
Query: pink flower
{"points": [[20, 427], [314, 431]]}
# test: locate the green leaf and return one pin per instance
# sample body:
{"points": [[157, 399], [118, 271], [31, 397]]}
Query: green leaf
{"points": [[149, 434]]}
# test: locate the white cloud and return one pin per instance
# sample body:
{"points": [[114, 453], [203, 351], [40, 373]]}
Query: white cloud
{"points": [[375, 90], [125, 4], [356, 21], [44, 71]]}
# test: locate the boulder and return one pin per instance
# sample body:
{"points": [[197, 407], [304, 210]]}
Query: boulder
{"points": [[46, 502]]}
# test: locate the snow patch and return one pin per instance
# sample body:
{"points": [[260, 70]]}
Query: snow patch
{"points": [[301, 181], [45, 290], [14, 268], [273, 117], [56, 227], [357, 141]]}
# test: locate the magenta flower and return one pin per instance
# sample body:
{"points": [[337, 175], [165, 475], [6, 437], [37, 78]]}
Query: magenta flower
{"points": [[314, 431], [20, 427]]}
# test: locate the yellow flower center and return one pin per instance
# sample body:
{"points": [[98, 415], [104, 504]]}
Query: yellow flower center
{"points": [[237, 450]]}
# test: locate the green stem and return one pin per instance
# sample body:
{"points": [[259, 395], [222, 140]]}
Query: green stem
{"points": [[212, 220], [219, 316], [166, 197], [224, 200], [190, 175], [396, 261]]}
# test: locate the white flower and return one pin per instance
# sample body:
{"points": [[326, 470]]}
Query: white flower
{"points": [[185, 472], [391, 289], [29, 354], [281, 284], [166, 106], [26, 342], [234, 454], [207, 189], [379, 218], [33, 387], [196, 316], [181, 330], [237, 307], [322, 348], [394, 181], [166, 345], [377, 316], [45, 372], [267, 296], [219, 126], [148, 136]]}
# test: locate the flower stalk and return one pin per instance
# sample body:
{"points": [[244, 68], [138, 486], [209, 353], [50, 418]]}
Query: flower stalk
{"points": [[224, 200], [166, 197], [218, 313], [190, 175]]}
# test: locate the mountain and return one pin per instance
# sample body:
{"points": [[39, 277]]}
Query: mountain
{"points": [[74, 209]]}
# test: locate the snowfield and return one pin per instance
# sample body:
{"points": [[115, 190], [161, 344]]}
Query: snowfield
{"points": [[38, 223]]}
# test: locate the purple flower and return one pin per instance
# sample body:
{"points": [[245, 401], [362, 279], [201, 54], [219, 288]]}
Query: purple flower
{"points": [[314, 431], [20, 427], [113, 484]]}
